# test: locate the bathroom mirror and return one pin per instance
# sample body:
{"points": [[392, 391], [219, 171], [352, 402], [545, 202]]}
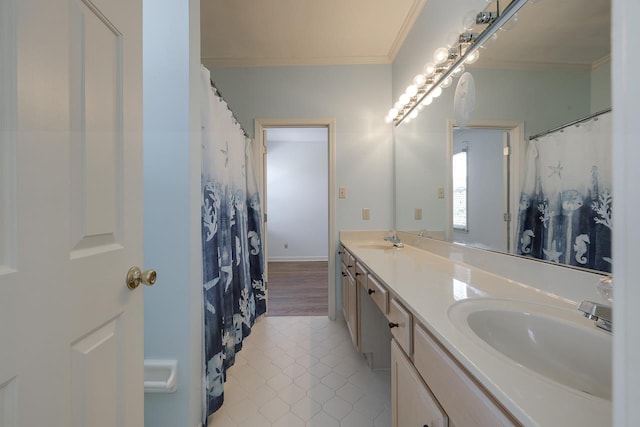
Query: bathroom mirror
{"points": [[548, 67]]}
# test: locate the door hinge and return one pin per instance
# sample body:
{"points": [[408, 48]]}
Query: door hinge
{"points": [[264, 216], [507, 217], [506, 150]]}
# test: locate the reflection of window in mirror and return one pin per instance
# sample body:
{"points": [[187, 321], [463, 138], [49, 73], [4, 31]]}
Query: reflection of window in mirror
{"points": [[460, 179]]}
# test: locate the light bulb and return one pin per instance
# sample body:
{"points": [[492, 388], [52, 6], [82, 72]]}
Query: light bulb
{"points": [[458, 71], [388, 119], [446, 82], [393, 112], [440, 55], [411, 91], [511, 23], [427, 100], [398, 106], [407, 119], [469, 19], [491, 41], [404, 99], [420, 107], [436, 92], [429, 69], [419, 80], [452, 39], [413, 114], [472, 57]]}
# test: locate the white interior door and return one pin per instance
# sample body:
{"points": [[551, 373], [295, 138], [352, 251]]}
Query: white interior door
{"points": [[71, 338]]}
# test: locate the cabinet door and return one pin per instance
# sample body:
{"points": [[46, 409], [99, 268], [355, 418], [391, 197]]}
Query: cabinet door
{"points": [[352, 314], [412, 404], [344, 282]]}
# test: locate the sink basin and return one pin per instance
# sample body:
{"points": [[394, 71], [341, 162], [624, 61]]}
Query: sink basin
{"points": [[557, 344]]}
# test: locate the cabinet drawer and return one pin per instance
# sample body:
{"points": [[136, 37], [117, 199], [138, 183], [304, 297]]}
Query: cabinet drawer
{"points": [[463, 399], [347, 258], [400, 324], [361, 274], [378, 294]]}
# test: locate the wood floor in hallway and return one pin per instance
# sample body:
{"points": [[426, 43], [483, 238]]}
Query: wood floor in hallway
{"points": [[298, 289]]}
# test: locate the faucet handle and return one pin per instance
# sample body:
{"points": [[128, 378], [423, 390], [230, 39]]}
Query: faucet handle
{"points": [[605, 288], [600, 313]]}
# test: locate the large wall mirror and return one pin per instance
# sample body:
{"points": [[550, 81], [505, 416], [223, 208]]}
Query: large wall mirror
{"points": [[487, 184]]}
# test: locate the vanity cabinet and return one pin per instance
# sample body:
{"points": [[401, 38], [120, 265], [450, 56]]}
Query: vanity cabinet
{"points": [[412, 402], [466, 402], [429, 386]]}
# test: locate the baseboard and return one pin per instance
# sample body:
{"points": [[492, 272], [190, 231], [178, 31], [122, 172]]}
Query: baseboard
{"points": [[298, 259]]}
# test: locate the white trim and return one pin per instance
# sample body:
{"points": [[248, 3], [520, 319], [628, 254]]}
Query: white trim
{"points": [[518, 144], [259, 126], [626, 196]]}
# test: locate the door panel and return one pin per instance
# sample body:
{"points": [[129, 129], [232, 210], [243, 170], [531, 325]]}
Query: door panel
{"points": [[97, 134], [71, 339]]}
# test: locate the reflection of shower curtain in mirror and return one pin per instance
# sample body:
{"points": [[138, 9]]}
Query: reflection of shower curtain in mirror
{"points": [[233, 264], [565, 204]]}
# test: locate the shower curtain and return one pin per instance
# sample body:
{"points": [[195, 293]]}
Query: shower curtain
{"points": [[233, 264], [565, 204]]}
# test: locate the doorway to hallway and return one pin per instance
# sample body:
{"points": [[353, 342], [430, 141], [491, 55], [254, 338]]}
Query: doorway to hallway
{"points": [[297, 188]]}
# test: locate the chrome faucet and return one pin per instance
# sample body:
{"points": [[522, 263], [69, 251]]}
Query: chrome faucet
{"points": [[600, 313], [393, 238]]}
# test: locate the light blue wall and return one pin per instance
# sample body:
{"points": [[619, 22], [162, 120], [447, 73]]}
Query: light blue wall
{"points": [[171, 205], [357, 96]]}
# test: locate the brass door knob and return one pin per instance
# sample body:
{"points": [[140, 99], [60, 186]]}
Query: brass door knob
{"points": [[135, 277]]}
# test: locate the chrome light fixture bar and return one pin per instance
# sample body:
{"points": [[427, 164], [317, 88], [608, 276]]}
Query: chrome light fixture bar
{"points": [[498, 20]]}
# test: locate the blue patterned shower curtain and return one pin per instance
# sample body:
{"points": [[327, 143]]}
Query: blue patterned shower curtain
{"points": [[233, 264], [565, 204]]}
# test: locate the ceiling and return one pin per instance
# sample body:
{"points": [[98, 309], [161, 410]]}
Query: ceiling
{"points": [[308, 32], [304, 32]]}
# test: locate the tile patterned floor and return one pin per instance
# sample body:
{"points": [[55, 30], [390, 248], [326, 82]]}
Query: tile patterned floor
{"points": [[303, 371]]}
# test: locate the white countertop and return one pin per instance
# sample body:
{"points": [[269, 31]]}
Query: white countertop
{"points": [[429, 284]]}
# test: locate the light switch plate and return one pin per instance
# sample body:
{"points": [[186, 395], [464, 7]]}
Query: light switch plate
{"points": [[418, 213], [365, 214], [342, 193], [440, 192]]}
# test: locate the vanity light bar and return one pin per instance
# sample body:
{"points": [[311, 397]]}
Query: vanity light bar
{"points": [[498, 21]]}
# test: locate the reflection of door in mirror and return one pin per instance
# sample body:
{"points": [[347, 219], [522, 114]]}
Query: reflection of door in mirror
{"points": [[480, 168]]}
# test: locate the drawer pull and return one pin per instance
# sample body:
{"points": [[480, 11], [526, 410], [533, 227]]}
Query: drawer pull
{"points": [[393, 325], [358, 274], [349, 266], [340, 252], [344, 274], [371, 291]]}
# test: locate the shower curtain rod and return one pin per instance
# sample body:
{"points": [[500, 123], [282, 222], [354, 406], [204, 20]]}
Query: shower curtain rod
{"points": [[575, 122], [213, 85]]}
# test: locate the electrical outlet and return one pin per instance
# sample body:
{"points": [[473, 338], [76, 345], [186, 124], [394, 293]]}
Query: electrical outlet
{"points": [[365, 214], [440, 192], [342, 193], [418, 213]]}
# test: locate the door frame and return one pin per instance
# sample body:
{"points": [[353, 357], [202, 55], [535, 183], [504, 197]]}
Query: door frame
{"points": [[516, 165], [259, 126]]}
